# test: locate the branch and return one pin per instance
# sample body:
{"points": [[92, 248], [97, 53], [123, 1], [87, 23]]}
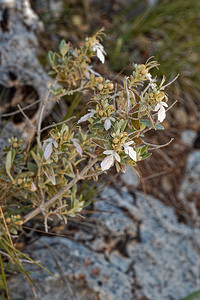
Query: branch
{"points": [[62, 191]]}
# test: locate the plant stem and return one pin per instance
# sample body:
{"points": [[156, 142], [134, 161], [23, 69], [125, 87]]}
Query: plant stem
{"points": [[62, 191]]}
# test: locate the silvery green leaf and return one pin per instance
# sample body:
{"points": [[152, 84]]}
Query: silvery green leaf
{"points": [[77, 146], [50, 175], [63, 47], [48, 151], [9, 161]]}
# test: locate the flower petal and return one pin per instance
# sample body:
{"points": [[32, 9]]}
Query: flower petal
{"points": [[107, 162], [117, 157], [100, 55], [87, 116], [127, 144], [78, 147], [48, 151], [55, 144], [157, 107], [33, 187], [164, 104], [161, 114], [107, 124], [132, 153], [109, 152]]}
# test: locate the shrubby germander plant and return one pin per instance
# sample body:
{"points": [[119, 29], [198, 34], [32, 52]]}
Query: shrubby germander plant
{"points": [[111, 133]]}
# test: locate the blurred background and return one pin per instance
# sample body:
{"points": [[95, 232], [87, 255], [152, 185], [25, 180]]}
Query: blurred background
{"points": [[136, 30]]}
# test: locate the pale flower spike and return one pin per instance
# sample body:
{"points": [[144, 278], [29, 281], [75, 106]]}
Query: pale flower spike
{"points": [[130, 151], [87, 116], [98, 48], [108, 161], [160, 108]]}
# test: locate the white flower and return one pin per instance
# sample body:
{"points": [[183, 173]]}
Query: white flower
{"points": [[77, 146], [48, 147], [107, 123], [151, 82], [87, 116], [130, 151], [98, 48], [149, 76], [109, 160], [160, 108]]}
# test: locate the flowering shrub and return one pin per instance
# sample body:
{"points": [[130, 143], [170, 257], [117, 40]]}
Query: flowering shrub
{"points": [[111, 133]]}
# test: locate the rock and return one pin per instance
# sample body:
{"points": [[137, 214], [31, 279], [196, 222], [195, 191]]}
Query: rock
{"points": [[165, 262], [190, 187], [145, 253], [130, 178], [49, 8], [188, 137], [22, 79], [73, 264]]}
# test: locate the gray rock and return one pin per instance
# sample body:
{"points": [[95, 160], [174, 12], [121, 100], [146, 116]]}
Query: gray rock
{"points": [[145, 253], [49, 8], [188, 137], [130, 178], [190, 187], [166, 262], [21, 75], [73, 263]]}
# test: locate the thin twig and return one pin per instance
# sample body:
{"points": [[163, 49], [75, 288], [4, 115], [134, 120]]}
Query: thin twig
{"points": [[20, 110], [57, 124], [26, 117], [158, 146], [62, 191]]}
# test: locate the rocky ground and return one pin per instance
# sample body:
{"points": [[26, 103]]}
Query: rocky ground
{"points": [[131, 248]]}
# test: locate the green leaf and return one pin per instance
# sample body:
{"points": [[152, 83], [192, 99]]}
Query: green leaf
{"points": [[51, 58], [146, 155], [192, 296], [159, 127], [35, 157], [63, 47], [147, 123], [143, 149], [9, 161], [123, 124], [32, 167]]}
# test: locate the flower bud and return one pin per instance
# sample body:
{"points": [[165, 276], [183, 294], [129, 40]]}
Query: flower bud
{"points": [[116, 140], [99, 79], [110, 86], [19, 181], [8, 220], [100, 87], [101, 113], [15, 145]]}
